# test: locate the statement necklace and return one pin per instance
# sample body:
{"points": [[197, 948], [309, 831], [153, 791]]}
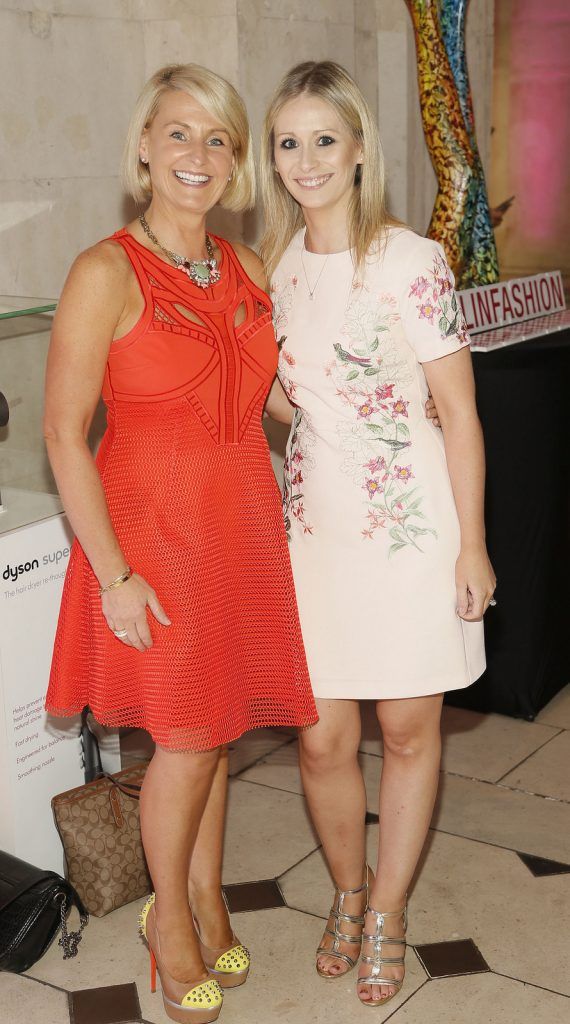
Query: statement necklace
{"points": [[312, 290], [201, 272]]}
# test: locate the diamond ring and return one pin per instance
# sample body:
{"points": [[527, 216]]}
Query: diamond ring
{"points": [[121, 633]]}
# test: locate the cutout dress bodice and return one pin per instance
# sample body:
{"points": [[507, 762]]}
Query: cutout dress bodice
{"points": [[213, 346]]}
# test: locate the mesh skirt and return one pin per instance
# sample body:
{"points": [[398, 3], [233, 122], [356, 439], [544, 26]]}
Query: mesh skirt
{"points": [[202, 523]]}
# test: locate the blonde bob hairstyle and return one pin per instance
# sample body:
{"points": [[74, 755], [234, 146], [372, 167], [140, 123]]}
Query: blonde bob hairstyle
{"points": [[367, 212], [221, 100]]}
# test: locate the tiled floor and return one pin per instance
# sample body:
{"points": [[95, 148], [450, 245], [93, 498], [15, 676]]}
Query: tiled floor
{"points": [[489, 928]]}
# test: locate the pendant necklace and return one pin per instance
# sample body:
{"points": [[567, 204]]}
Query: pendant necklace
{"points": [[312, 290], [201, 272]]}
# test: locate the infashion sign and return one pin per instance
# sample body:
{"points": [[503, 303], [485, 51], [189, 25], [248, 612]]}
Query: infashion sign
{"points": [[508, 302]]}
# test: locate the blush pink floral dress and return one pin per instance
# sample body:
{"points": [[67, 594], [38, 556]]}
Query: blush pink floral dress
{"points": [[370, 514]]}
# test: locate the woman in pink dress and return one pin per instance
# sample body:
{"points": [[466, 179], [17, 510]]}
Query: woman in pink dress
{"points": [[384, 512]]}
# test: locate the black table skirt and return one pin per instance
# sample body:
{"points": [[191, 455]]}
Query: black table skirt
{"points": [[523, 396]]}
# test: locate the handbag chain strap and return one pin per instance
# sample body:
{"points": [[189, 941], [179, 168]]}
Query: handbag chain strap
{"points": [[69, 941]]}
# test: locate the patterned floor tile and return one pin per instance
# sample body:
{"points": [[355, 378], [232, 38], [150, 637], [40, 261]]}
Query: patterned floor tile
{"points": [[520, 923], [487, 746], [493, 813], [281, 770], [111, 951], [471, 883], [308, 886], [481, 999], [23, 1001], [253, 745], [254, 896], [464, 888], [546, 772], [447, 959], [503, 816], [557, 711], [542, 868], [268, 830], [477, 746], [283, 987], [113, 1004]]}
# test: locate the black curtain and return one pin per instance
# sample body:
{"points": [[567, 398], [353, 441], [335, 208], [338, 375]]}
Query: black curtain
{"points": [[523, 396]]}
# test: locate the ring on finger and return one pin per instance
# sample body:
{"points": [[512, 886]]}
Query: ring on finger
{"points": [[120, 633]]}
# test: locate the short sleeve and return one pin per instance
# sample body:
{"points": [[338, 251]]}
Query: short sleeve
{"points": [[431, 312]]}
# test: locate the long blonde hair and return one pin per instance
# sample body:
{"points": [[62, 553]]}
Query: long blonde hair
{"points": [[367, 211], [221, 100]]}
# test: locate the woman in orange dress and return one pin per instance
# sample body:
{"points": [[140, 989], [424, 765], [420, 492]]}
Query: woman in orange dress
{"points": [[178, 613]]}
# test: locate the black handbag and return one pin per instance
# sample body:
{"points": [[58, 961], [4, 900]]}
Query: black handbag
{"points": [[34, 906]]}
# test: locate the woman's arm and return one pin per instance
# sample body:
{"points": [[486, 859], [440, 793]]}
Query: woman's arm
{"points": [[92, 308], [451, 383], [278, 405], [88, 313]]}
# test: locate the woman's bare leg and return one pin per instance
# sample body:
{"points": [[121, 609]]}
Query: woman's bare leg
{"points": [[174, 795], [205, 879], [410, 774], [335, 793]]}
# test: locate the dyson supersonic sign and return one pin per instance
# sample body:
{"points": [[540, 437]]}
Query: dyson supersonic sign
{"points": [[510, 302]]}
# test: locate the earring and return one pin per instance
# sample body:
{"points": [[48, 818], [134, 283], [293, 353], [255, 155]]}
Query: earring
{"points": [[144, 159]]}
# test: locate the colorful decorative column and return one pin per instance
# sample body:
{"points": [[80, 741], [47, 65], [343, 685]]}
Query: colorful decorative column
{"points": [[460, 220]]}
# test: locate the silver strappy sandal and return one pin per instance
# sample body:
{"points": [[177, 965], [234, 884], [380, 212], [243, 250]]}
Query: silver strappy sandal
{"points": [[378, 961], [338, 915]]}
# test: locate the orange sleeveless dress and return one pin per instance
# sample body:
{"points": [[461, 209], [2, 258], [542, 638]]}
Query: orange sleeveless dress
{"points": [[193, 499]]}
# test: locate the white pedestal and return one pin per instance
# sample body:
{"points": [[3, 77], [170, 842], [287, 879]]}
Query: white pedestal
{"points": [[39, 757]]}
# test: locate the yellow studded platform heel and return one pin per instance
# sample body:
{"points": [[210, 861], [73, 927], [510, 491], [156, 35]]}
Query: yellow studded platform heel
{"points": [[229, 965], [183, 1002]]}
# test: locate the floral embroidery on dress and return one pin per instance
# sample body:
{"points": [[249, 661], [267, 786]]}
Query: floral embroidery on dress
{"points": [[282, 293], [370, 376], [298, 461], [285, 363], [438, 302], [286, 360]]}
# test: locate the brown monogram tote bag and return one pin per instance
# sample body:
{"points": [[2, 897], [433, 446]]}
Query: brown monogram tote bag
{"points": [[99, 827]]}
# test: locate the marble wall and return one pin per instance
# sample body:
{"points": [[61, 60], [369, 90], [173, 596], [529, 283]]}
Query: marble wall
{"points": [[71, 70], [70, 73], [69, 76]]}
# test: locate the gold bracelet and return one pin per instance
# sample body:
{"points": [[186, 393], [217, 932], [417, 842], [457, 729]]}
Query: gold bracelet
{"points": [[126, 575]]}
